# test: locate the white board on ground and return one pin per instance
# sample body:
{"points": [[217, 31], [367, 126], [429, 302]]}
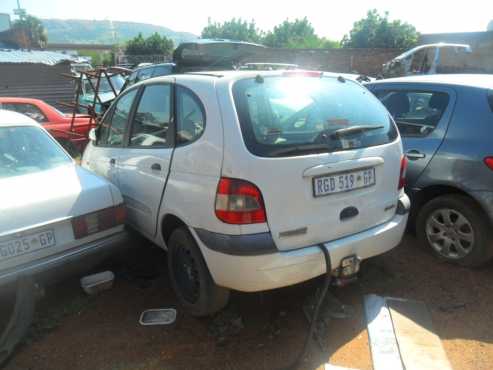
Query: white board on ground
{"points": [[383, 344], [420, 347]]}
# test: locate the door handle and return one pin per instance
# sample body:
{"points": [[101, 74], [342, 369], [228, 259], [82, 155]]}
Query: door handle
{"points": [[156, 167], [414, 154], [112, 161]]}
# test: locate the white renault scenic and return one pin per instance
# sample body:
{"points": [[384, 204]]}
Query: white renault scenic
{"points": [[243, 175]]}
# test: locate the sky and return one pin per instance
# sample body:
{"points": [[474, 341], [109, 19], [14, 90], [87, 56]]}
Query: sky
{"points": [[330, 19]]}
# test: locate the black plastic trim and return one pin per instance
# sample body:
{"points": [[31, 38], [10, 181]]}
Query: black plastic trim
{"points": [[238, 245]]}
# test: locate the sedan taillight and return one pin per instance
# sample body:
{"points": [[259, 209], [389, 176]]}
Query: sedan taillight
{"points": [[239, 202], [488, 161], [402, 174], [98, 221]]}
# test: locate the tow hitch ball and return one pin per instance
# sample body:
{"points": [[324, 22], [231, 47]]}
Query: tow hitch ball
{"points": [[347, 272]]}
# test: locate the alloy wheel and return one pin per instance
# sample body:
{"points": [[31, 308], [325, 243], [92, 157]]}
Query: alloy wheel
{"points": [[450, 233]]}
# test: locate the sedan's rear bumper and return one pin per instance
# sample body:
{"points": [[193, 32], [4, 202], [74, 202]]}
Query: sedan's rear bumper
{"points": [[70, 262]]}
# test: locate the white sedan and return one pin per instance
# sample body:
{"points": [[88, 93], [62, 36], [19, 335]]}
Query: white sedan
{"points": [[55, 217]]}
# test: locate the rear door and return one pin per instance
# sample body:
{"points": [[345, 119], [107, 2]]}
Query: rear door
{"points": [[144, 163], [422, 114], [320, 176]]}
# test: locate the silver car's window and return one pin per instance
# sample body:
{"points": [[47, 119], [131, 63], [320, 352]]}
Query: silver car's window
{"points": [[112, 130], [27, 149], [190, 116], [151, 122]]}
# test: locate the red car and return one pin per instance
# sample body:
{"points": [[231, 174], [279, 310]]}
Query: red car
{"points": [[73, 139]]}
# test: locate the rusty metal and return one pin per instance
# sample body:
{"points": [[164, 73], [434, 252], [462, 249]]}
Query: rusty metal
{"points": [[91, 75]]}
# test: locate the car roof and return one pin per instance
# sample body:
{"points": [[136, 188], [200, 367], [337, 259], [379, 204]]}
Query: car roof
{"points": [[9, 119], [234, 75], [8, 99], [150, 66], [484, 81]]}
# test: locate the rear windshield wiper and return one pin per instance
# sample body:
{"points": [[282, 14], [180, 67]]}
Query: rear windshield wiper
{"points": [[300, 149], [355, 129]]}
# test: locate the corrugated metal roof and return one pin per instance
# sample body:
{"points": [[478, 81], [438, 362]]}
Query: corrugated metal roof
{"points": [[33, 56]]}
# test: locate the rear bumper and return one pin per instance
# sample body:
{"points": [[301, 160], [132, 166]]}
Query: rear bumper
{"points": [[71, 262], [250, 273]]}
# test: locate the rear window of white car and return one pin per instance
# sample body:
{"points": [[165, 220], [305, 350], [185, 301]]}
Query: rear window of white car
{"points": [[27, 149], [289, 116]]}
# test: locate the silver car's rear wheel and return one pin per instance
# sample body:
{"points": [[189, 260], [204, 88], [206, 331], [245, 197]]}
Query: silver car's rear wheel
{"points": [[450, 233]]}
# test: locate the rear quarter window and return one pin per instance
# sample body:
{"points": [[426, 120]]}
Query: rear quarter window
{"points": [[490, 99], [288, 116]]}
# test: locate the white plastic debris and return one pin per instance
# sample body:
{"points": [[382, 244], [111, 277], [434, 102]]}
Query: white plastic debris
{"points": [[159, 316], [93, 284]]}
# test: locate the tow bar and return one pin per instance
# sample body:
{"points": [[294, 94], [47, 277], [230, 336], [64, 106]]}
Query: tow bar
{"points": [[332, 306]]}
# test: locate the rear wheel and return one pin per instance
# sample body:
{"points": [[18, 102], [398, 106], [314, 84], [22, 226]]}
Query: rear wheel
{"points": [[190, 277], [456, 230]]}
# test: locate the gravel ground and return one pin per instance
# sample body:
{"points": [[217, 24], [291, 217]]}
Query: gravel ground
{"points": [[256, 331]]}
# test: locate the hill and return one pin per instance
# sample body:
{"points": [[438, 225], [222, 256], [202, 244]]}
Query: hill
{"points": [[105, 32]]}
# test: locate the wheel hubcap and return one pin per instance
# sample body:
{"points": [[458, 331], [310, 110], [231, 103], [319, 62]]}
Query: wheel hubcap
{"points": [[450, 233], [186, 274]]}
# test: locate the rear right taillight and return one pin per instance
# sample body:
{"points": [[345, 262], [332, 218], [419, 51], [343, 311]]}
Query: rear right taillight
{"points": [[239, 202], [101, 220], [402, 173]]}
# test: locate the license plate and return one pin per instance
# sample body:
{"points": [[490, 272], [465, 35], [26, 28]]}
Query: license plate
{"points": [[26, 244], [345, 181]]}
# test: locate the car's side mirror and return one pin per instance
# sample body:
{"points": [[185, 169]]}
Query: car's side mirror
{"points": [[92, 135]]}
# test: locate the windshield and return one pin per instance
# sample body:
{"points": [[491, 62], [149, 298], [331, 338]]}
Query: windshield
{"points": [[296, 115], [104, 86], [28, 149]]}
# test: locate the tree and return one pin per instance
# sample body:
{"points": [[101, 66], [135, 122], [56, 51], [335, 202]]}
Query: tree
{"points": [[32, 31], [152, 45], [235, 29], [296, 34], [376, 31]]}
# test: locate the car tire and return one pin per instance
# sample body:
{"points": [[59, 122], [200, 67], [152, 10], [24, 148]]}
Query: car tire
{"points": [[17, 324], [190, 277], [456, 230]]}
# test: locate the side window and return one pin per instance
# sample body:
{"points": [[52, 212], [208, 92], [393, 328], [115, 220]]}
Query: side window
{"points": [[150, 126], [113, 126], [416, 113], [422, 60], [29, 110], [190, 116]]}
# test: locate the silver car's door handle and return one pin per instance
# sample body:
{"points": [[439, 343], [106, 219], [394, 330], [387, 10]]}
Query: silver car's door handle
{"points": [[414, 154], [112, 161]]}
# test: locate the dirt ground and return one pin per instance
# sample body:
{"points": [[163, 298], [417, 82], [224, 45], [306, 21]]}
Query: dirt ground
{"points": [[256, 331]]}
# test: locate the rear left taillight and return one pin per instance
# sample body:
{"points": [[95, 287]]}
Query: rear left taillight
{"points": [[101, 220], [488, 161], [239, 202], [402, 174]]}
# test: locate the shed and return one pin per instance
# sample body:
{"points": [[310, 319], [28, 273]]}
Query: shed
{"points": [[36, 74]]}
